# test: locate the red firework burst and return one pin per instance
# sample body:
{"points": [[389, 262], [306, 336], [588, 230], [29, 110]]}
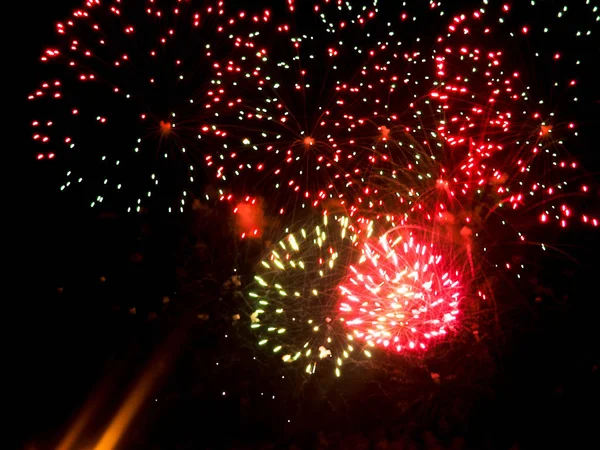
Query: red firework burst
{"points": [[125, 104], [402, 294]]}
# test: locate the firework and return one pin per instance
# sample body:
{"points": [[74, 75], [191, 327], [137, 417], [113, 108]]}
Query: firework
{"points": [[451, 142], [335, 106], [402, 294], [469, 151], [126, 105], [294, 296], [322, 101], [283, 107]]}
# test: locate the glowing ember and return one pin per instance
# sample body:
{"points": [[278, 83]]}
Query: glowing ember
{"points": [[165, 128]]}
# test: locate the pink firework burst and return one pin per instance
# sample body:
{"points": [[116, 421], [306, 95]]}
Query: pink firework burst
{"points": [[402, 294]]}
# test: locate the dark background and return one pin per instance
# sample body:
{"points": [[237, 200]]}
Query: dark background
{"points": [[543, 387]]}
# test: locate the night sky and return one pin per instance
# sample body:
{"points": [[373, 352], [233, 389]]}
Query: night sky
{"points": [[107, 297]]}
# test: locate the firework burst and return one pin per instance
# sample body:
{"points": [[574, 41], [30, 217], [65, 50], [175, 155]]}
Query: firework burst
{"points": [[127, 101], [453, 138], [340, 107], [294, 296], [402, 294], [284, 84]]}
